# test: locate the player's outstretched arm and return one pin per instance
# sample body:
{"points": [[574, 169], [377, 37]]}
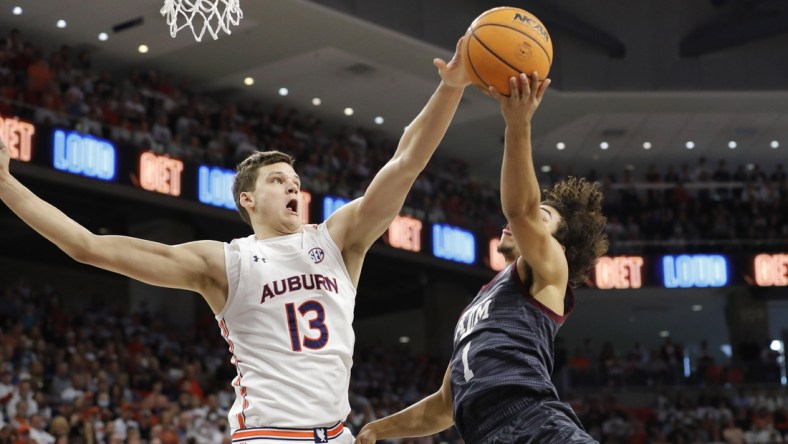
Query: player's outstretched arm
{"points": [[520, 194], [196, 266], [431, 415], [357, 225]]}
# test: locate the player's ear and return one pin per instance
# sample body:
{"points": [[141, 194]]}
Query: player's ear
{"points": [[247, 199], [563, 248]]}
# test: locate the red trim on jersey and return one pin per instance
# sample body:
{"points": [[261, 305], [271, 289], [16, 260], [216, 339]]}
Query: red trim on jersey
{"points": [[237, 381], [244, 405], [526, 292], [280, 433], [491, 280]]}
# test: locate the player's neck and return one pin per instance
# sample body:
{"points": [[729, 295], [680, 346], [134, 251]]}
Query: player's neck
{"points": [[262, 232]]}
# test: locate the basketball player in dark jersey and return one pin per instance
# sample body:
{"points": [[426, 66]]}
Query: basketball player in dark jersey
{"points": [[497, 388]]}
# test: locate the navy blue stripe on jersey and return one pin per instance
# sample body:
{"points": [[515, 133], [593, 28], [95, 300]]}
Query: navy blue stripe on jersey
{"points": [[503, 351]]}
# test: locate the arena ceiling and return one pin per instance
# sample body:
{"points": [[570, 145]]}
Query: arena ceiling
{"points": [[707, 71]]}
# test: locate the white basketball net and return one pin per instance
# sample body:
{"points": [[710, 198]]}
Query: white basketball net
{"points": [[202, 15]]}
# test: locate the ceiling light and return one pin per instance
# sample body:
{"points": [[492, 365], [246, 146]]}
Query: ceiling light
{"points": [[283, 91], [143, 49], [690, 145], [379, 120], [546, 168], [646, 145], [732, 144], [664, 334], [604, 145], [348, 111], [61, 24], [316, 101], [103, 36], [404, 339], [560, 146], [17, 10], [249, 81], [775, 144], [697, 307]]}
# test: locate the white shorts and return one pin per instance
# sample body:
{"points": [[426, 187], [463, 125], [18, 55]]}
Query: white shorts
{"points": [[336, 434]]}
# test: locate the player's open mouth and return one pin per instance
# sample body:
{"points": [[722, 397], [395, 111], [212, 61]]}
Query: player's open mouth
{"points": [[506, 230], [293, 205]]}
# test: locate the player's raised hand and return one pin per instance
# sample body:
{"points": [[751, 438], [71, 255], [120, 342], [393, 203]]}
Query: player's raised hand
{"points": [[5, 157], [367, 435], [526, 96], [453, 73]]}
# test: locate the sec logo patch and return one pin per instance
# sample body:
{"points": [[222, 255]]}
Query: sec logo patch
{"points": [[317, 255]]}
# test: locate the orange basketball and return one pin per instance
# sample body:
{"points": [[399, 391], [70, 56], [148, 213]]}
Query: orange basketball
{"points": [[504, 42]]}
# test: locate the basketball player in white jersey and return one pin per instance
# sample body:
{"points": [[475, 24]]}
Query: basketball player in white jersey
{"points": [[284, 296]]}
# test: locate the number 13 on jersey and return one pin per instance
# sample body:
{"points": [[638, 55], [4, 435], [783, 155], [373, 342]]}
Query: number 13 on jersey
{"points": [[317, 323]]}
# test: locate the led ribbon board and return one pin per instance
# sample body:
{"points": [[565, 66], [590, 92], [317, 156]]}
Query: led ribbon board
{"points": [[405, 234], [618, 272], [697, 270], [453, 244], [215, 187], [497, 262], [332, 204], [771, 270], [18, 137], [303, 207], [84, 155], [160, 174]]}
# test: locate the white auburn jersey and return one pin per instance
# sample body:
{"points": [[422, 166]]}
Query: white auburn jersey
{"points": [[288, 322]]}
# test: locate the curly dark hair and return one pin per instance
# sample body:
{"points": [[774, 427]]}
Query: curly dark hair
{"points": [[246, 175], [582, 226]]}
